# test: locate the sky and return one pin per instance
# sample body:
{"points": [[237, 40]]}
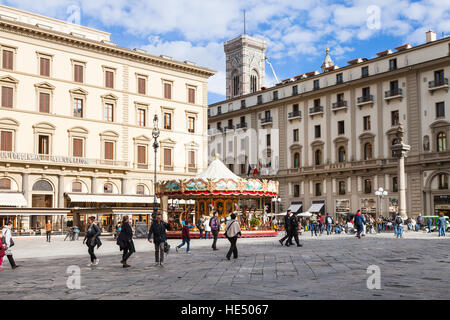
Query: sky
{"points": [[297, 31]]}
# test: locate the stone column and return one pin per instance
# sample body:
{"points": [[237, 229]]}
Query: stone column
{"points": [[25, 187], [124, 185], [164, 206], [93, 185], [61, 191], [402, 188]]}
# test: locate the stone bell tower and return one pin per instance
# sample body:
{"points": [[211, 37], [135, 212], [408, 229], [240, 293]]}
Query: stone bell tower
{"points": [[245, 65]]}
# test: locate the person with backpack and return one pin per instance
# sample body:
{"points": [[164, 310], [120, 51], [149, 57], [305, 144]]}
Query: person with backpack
{"points": [[200, 225], [287, 226], [359, 224], [207, 227], [92, 240], [398, 227], [125, 241], [215, 227], [232, 231], [158, 231], [185, 237], [8, 243], [329, 224]]}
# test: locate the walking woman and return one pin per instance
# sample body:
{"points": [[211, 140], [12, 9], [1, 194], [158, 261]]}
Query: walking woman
{"points": [[125, 241], [232, 231], [92, 239], [8, 244]]}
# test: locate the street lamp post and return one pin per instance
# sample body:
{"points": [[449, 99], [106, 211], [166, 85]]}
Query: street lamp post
{"points": [[155, 134], [380, 193], [276, 202]]}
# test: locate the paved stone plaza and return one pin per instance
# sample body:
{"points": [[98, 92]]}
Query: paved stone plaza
{"points": [[327, 267]]}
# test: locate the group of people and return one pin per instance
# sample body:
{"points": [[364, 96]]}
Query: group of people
{"points": [[291, 224]]}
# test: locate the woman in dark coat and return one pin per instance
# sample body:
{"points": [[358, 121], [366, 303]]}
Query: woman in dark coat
{"points": [[92, 239], [125, 241]]}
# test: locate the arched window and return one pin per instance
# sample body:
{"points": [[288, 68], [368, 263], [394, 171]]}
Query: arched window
{"points": [[254, 81], [5, 184], [42, 185], [441, 142], [443, 181], [107, 188], [318, 157], [236, 86], [77, 187], [140, 189], [368, 151], [296, 160], [341, 154]]}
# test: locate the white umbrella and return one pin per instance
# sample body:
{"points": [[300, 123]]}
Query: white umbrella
{"points": [[305, 214]]}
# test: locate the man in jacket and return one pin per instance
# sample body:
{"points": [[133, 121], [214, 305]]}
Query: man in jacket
{"points": [[359, 224], [287, 225], [48, 230], [215, 227], [232, 231], [398, 226], [200, 225], [329, 224], [313, 220], [293, 230], [9, 243], [158, 231], [125, 241]]}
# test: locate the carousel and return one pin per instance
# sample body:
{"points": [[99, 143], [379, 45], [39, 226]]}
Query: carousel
{"points": [[217, 189]]}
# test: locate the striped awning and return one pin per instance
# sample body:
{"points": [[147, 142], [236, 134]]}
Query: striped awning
{"points": [[316, 207], [295, 207], [12, 199], [110, 198]]}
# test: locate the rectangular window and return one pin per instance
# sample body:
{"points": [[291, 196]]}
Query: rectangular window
{"points": [[43, 147], [295, 108], [392, 64], [295, 133], [44, 67], [268, 140], [7, 97], [365, 71], [109, 150], [167, 157], [78, 73], [78, 108], [6, 141], [260, 101], [44, 102], [341, 127], [439, 77], [295, 90], [367, 186], [340, 97], [366, 121], [440, 110], [142, 84], [275, 95], [191, 124], [317, 131], [316, 103], [77, 147], [8, 57], [167, 91], [339, 78], [395, 119], [296, 190], [109, 79], [242, 104], [168, 121], [141, 113], [142, 154], [366, 92], [316, 84], [109, 112], [318, 189], [191, 95], [191, 156]]}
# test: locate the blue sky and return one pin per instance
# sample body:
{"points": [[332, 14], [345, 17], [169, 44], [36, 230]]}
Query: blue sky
{"points": [[297, 31]]}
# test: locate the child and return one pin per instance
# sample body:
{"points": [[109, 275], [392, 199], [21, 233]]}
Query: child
{"points": [[185, 237], [2, 250]]}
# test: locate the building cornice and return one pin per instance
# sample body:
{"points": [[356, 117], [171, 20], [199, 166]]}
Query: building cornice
{"points": [[103, 48]]}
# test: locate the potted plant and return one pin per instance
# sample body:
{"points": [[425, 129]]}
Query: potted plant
{"points": [[254, 223]]}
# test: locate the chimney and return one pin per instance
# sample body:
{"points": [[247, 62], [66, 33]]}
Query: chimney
{"points": [[431, 36]]}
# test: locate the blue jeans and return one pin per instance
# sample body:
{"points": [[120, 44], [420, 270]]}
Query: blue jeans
{"points": [[429, 227], [328, 229], [398, 230], [208, 234], [442, 231], [183, 242], [313, 229], [337, 230], [380, 227]]}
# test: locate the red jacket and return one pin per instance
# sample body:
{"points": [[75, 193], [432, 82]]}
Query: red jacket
{"points": [[2, 249]]}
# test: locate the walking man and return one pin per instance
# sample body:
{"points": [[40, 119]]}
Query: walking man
{"points": [[9, 243], [200, 225], [398, 227], [441, 224], [215, 227], [232, 231], [48, 229], [313, 221], [293, 231], [287, 219], [359, 224], [329, 224], [125, 241], [430, 222], [158, 231]]}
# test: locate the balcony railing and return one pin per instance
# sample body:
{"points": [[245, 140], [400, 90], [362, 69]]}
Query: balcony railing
{"points": [[295, 114], [315, 110], [266, 120], [339, 104], [438, 83], [393, 93], [241, 125], [229, 127], [365, 99]]}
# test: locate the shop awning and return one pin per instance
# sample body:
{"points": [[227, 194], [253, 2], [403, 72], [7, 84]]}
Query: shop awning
{"points": [[316, 207], [110, 198], [33, 212], [295, 207], [12, 199]]}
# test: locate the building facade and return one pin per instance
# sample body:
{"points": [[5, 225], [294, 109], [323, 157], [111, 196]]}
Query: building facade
{"points": [[327, 136], [76, 118]]}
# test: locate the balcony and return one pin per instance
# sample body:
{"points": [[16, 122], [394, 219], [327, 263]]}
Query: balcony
{"points": [[295, 115], [266, 120], [339, 105], [365, 100], [242, 125], [229, 127], [438, 84], [315, 110], [393, 94]]}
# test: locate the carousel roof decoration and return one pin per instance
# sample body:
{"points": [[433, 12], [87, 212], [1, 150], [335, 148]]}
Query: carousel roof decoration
{"points": [[217, 179]]}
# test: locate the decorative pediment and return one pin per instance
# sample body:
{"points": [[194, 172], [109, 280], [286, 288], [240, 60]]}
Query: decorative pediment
{"points": [[109, 96], [439, 124], [79, 91], [317, 143], [142, 138], [44, 125], [78, 130], [9, 79], [168, 141], [9, 122], [391, 132], [110, 133], [296, 146], [45, 85], [367, 135], [340, 140], [191, 144]]}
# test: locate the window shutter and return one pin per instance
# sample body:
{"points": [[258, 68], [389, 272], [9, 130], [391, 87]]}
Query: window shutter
{"points": [[44, 102], [109, 150], [6, 141], [141, 154], [167, 91], [78, 73], [7, 97], [192, 159], [141, 85], [191, 95], [167, 157], [7, 59], [77, 147], [109, 79], [45, 67]]}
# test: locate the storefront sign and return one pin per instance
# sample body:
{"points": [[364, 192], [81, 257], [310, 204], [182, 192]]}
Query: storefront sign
{"points": [[37, 157]]}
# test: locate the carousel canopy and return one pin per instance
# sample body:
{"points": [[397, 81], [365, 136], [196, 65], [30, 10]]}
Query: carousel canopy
{"points": [[218, 180]]}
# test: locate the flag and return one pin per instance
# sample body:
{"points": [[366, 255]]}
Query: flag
{"points": [[249, 170]]}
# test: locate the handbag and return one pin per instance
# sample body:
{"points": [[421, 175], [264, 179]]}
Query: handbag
{"points": [[166, 247]]}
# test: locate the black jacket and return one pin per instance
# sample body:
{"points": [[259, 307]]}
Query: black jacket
{"points": [[287, 222], [158, 230], [93, 231], [125, 236], [293, 223]]}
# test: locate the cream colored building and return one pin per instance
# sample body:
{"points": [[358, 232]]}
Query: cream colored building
{"points": [[76, 119], [327, 136]]}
